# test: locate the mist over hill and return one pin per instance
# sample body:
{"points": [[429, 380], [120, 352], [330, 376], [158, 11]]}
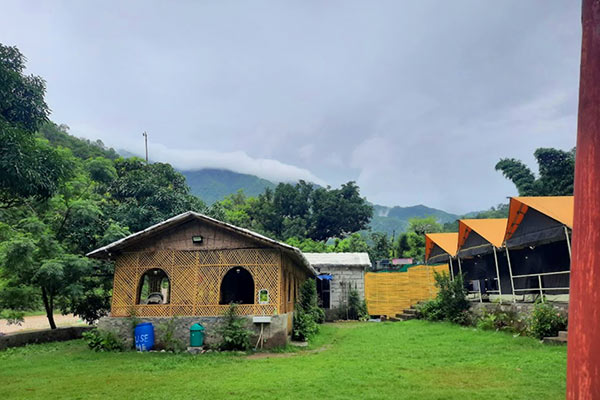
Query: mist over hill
{"points": [[212, 185]]}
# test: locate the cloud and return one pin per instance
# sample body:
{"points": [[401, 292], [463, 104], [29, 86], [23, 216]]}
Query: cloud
{"points": [[237, 161], [416, 101]]}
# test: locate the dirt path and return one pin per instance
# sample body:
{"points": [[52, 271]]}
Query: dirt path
{"points": [[40, 322]]}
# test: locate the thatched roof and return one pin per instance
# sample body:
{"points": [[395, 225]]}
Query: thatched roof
{"points": [[109, 250]]}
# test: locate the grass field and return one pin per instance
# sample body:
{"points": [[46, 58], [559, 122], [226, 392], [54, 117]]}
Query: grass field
{"points": [[407, 360]]}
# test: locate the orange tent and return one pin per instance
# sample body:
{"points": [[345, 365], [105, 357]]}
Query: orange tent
{"points": [[439, 243], [491, 230], [558, 208]]}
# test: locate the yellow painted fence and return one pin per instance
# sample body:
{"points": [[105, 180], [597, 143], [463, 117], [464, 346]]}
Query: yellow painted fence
{"points": [[388, 293]]}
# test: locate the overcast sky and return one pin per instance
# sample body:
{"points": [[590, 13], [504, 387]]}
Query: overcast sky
{"points": [[414, 100]]}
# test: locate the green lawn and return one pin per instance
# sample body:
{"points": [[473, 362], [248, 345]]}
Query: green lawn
{"points": [[405, 360]]}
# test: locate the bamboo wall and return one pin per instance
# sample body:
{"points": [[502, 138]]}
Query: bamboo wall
{"points": [[195, 272], [388, 293], [195, 278]]}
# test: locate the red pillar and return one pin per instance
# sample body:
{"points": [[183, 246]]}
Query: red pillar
{"points": [[583, 365]]}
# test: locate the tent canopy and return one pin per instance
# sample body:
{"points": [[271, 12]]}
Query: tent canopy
{"points": [[559, 208], [492, 230], [447, 242], [538, 219]]}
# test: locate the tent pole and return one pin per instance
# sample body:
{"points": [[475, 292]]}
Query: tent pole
{"points": [[512, 282], [583, 351], [568, 240], [497, 274], [451, 267]]}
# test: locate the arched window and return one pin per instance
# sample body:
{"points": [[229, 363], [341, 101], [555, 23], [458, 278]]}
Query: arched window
{"points": [[237, 287], [155, 288]]}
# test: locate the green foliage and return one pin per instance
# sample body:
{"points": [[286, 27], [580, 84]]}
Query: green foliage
{"points": [[353, 243], [166, 337], [450, 304], [500, 211], [546, 321], [381, 247], [58, 136], [502, 320], [430, 310], [13, 317], [305, 326], [556, 173], [307, 313], [145, 194], [234, 334], [101, 340], [29, 167], [298, 211], [357, 308]]}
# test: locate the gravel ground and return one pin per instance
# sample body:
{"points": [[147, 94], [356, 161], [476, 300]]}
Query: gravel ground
{"points": [[40, 322]]}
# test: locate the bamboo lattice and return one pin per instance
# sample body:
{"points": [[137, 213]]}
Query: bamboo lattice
{"points": [[389, 293], [195, 280]]}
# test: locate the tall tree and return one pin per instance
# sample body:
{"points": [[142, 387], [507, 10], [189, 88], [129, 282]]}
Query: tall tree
{"points": [[145, 194], [29, 167], [556, 171]]}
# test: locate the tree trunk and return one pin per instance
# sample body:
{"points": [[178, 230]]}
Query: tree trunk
{"points": [[49, 308]]}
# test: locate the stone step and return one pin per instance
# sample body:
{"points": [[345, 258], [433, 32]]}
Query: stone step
{"points": [[562, 334], [410, 311], [406, 317], [555, 340], [394, 319]]}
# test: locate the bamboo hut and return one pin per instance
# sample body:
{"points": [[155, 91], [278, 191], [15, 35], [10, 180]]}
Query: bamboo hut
{"points": [[194, 266]]}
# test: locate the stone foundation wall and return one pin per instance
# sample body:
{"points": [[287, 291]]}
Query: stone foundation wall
{"points": [[275, 334]]}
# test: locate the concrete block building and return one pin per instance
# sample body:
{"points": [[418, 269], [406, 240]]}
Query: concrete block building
{"points": [[337, 274]]}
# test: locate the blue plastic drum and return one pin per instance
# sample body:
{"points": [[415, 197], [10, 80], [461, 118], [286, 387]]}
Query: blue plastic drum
{"points": [[144, 336]]}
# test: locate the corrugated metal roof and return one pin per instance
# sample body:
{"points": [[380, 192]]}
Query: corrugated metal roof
{"points": [[104, 252], [315, 259]]}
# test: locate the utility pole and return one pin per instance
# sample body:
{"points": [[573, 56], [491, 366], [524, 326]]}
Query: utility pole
{"points": [[583, 354], [145, 135]]}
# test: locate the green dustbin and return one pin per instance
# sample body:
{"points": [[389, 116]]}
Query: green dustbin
{"points": [[196, 335]]}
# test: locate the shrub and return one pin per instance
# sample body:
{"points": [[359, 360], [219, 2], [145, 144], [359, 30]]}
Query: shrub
{"points": [[354, 304], [307, 312], [304, 326], [319, 315], [546, 321], [452, 297], [363, 312], [501, 320], [166, 337], [430, 310], [309, 302], [234, 334], [100, 340]]}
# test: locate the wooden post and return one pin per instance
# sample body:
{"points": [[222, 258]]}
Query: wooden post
{"points": [[583, 357], [451, 267]]}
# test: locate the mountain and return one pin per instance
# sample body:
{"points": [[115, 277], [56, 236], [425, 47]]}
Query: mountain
{"points": [[212, 185], [390, 219]]}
